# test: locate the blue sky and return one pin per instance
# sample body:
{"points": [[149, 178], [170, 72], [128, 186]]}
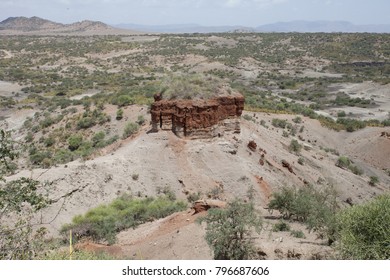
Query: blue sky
{"points": [[204, 12]]}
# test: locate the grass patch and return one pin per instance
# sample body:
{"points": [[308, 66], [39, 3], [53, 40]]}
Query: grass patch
{"points": [[281, 226], [105, 221]]}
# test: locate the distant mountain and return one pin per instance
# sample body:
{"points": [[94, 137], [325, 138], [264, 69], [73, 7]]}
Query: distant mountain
{"points": [[36, 25], [184, 28], [322, 26], [292, 26], [28, 24]]}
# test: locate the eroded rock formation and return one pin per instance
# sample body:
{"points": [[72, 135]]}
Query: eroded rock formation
{"points": [[198, 118]]}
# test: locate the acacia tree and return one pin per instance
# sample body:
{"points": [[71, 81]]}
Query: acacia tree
{"points": [[19, 199], [229, 231]]}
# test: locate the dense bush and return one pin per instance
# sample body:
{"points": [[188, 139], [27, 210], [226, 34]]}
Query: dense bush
{"points": [[316, 208], [75, 142], [364, 230], [351, 124], [279, 123], [86, 122], [343, 162], [130, 129], [281, 226]]}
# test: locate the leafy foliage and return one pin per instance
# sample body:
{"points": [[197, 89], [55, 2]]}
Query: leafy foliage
{"points": [[364, 230], [18, 198], [229, 231], [316, 208]]}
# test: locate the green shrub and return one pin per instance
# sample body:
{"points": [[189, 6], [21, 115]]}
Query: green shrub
{"points": [[85, 149], [297, 234], [301, 160], [37, 157], [29, 137], [112, 140], [297, 119], [351, 125], [105, 221], [98, 139], [281, 226], [123, 100], [279, 123], [130, 129], [75, 142], [192, 197], [86, 122], [119, 114], [373, 180], [316, 208], [140, 120], [295, 146], [50, 141], [343, 162], [341, 114], [364, 230], [229, 230], [355, 170], [248, 117], [63, 156]]}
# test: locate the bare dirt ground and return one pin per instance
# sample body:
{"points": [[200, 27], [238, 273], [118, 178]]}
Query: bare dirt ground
{"points": [[7, 88], [367, 90]]}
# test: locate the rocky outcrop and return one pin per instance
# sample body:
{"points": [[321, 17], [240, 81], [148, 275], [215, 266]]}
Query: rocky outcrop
{"points": [[287, 165], [252, 145], [205, 205], [198, 118]]}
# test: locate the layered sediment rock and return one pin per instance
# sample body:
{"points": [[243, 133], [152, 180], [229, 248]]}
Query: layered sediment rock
{"points": [[198, 118]]}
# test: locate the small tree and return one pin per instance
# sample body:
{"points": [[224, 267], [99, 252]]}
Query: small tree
{"points": [[295, 146], [229, 231], [20, 199]]}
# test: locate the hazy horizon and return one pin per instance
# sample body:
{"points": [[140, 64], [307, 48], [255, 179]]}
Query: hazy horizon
{"points": [[249, 13]]}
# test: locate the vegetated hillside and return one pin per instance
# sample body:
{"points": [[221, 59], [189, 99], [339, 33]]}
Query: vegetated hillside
{"points": [[317, 112]]}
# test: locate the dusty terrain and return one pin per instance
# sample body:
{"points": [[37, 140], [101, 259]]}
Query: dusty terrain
{"points": [[187, 166], [37, 70]]}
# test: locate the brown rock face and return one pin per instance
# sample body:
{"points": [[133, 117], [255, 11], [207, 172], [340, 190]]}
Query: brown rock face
{"points": [[204, 205], [198, 118]]}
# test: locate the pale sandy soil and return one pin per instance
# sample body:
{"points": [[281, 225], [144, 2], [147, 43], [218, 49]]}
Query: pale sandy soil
{"points": [[188, 166]]}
